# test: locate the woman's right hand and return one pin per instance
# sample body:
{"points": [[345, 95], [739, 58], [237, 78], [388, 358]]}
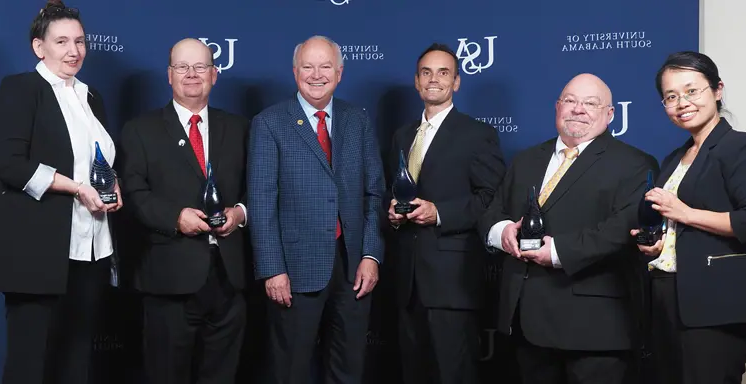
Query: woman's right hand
{"points": [[89, 197], [653, 250]]}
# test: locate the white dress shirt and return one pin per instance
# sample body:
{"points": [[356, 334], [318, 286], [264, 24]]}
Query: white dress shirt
{"points": [[204, 129], [494, 238], [435, 123], [87, 230]]}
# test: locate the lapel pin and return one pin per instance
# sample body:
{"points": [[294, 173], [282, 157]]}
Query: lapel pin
{"points": [[181, 142], [300, 122]]}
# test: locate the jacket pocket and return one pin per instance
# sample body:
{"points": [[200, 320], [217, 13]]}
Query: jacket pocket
{"points": [[711, 260]]}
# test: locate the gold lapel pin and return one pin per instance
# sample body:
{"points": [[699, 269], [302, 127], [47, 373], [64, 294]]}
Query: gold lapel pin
{"points": [[300, 122]]}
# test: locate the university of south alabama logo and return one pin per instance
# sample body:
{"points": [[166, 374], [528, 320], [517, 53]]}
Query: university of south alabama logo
{"points": [[469, 52], [219, 51]]}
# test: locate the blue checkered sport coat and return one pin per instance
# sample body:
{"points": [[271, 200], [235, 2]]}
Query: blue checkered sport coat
{"points": [[295, 197]]}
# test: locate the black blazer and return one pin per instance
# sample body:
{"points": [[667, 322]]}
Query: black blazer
{"points": [[161, 177], [35, 235], [461, 172], [586, 304], [711, 269]]}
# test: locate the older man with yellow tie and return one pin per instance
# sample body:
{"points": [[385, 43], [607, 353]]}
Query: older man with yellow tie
{"points": [[565, 304]]}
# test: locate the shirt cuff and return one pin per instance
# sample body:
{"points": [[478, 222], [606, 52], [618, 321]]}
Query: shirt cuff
{"points": [[40, 182], [438, 216], [372, 258], [494, 238], [245, 217], [555, 257]]}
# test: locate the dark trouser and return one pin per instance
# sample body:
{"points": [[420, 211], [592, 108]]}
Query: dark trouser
{"points": [[50, 338], [195, 338], [438, 346], [692, 355], [539, 365], [332, 313]]}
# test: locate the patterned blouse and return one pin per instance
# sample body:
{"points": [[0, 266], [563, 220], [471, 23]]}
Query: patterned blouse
{"points": [[666, 261]]}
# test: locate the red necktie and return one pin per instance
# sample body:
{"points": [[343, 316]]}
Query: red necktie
{"points": [[326, 145], [195, 138]]}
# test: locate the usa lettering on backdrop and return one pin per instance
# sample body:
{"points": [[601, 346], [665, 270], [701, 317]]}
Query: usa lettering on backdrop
{"points": [[502, 124], [106, 43], [468, 56], [219, 51], [361, 52], [608, 40]]}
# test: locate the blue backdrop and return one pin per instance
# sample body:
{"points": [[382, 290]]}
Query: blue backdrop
{"points": [[515, 57]]}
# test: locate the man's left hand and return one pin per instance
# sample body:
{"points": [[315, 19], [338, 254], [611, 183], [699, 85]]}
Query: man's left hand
{"points": [[425, 214], [234, 216], [541, 256], [366, 277]]}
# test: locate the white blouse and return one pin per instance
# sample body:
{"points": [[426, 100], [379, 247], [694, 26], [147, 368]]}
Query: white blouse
{"points": [[88, 230]]}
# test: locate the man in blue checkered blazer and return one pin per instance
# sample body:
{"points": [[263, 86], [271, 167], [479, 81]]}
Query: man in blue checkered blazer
{"points": [[315, 183]]}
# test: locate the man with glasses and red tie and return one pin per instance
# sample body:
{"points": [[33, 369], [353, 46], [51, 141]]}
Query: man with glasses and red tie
{"points": [[315, 179], [191, 274], [567, 304]]}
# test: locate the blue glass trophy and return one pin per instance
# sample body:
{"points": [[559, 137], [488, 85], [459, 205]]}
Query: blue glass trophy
{"points": [[650, 221], [404, 188], [532, 227], [102, 178], [213, 203]]}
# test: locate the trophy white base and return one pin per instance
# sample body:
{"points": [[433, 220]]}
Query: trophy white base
{"points": [[530, 244], [108, 198]]}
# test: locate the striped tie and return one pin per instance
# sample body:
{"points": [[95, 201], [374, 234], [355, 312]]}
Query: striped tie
{"points": [[570, 155], [415, 155]]}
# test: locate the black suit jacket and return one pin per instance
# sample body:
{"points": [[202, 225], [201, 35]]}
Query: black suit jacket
{"points": [[161, 177], [585, 305], [461, 172], [711, 269], [35, 235]]}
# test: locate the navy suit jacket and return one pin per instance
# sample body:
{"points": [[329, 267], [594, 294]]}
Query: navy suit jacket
{"points": [[710, 268], [296, 196]]}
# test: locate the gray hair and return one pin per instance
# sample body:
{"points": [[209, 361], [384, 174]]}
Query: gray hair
{"points": [[337, 49]]}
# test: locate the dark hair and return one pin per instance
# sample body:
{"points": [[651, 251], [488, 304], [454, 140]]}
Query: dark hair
{"points": [[53, 11], [442, 48], [693, 61]]}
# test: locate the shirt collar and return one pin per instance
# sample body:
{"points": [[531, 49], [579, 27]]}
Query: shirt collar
{"points": [[185, 115], [560, 145], [55, 80], [438, 119], [310, 110]]}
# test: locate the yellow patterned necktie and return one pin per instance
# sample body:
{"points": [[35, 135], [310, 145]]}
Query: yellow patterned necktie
{"points": [[570, 155], [415, 155]]}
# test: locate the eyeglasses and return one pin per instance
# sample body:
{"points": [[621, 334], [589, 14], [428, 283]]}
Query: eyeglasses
{"points": [[673, 100], [53, 11], [183, 68], [591, 103]]}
